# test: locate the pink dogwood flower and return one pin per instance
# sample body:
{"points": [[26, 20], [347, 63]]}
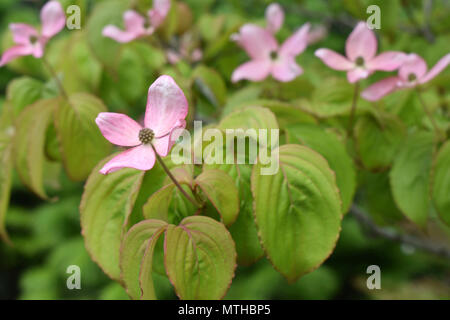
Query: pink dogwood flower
{"points": [[166, 111], [137, 26], [267, 57], [361, 60], [412, 73], [29, 40]]}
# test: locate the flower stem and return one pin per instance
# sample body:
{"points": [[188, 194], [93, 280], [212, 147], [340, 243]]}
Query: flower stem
{"points": [[55, 76], [177, 184], [429, 115], [353, 111]]}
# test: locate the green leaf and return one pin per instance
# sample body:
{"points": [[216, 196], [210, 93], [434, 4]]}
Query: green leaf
{"points": [[200, 258], [82, 144], [6, 167], [441, 183], [105, 208], [297, 210], [243, 231], [157, 206], [23, 91], [220, 189], [211, 85], [29, 143], [134, 245], [249, 118], [333, 150], [410, 176], [377, 141]]}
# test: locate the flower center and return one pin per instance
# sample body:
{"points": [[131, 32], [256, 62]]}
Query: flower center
{"points": [[359, 61], [33, 39], [274, 55], [146, 135], [412, 77]]}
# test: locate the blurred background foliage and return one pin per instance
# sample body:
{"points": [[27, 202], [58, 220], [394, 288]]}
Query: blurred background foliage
{"points": [[46, 235]]}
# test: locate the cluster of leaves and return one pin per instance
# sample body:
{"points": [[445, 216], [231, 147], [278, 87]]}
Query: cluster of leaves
{"points": [[139, 228]]}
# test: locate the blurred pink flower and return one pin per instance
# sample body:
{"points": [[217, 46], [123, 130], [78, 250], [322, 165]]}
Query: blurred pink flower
{"points": [[361, 60], [28, 40], [136, 26], [412, 73], [274, 17], [166, 111], [267, 57]]}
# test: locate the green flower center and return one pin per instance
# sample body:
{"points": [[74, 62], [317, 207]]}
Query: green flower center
{"points": [[359, 61], [33, 39], [146, 135], [412, 77], [274, 55]]}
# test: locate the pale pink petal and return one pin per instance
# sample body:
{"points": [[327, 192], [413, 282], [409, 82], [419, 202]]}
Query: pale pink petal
{"points": [[134, 22], [438, 68], [115, 33], [297, 43], [53, 19], [357, 74], [159, 12], [141, 158], [334, 60], [286, 69], [166, 106], [164, 144], [413, 64], [317, 34], [274, 17], [379, 89], [254, 70], [38, 48], [119, 129], [15, 52], [362, 42], [386, 61], [22, 32], [257, 41]]}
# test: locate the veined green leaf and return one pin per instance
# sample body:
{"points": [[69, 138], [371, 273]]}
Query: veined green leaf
{"points": [[29, 143], [410, 177], [220, 189], [105, 207], [441, 183], [298, 211], [82, 144], [329, 146], [132, 250], [157, 206], [200, 258]]}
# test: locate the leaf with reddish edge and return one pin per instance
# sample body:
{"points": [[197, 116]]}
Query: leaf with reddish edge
{"points": [[145, 273], [157, 206], [297, 211], [132, 250], [200, 258], [82, 145], [220, 189], [29, 143], [105, 207]]}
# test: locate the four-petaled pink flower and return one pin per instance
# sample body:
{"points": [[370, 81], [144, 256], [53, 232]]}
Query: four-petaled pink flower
{"points": [[267, 57], [28, 40], [166, 111], [136, 26], [412, 73], [361, 60]]}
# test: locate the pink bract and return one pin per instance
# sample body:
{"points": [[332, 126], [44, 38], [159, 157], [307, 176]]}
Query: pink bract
{"points": [[361, 59], [28, 40], [411, 74], [136, 26], [267, 57], [166, 111], [274, 17]]}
